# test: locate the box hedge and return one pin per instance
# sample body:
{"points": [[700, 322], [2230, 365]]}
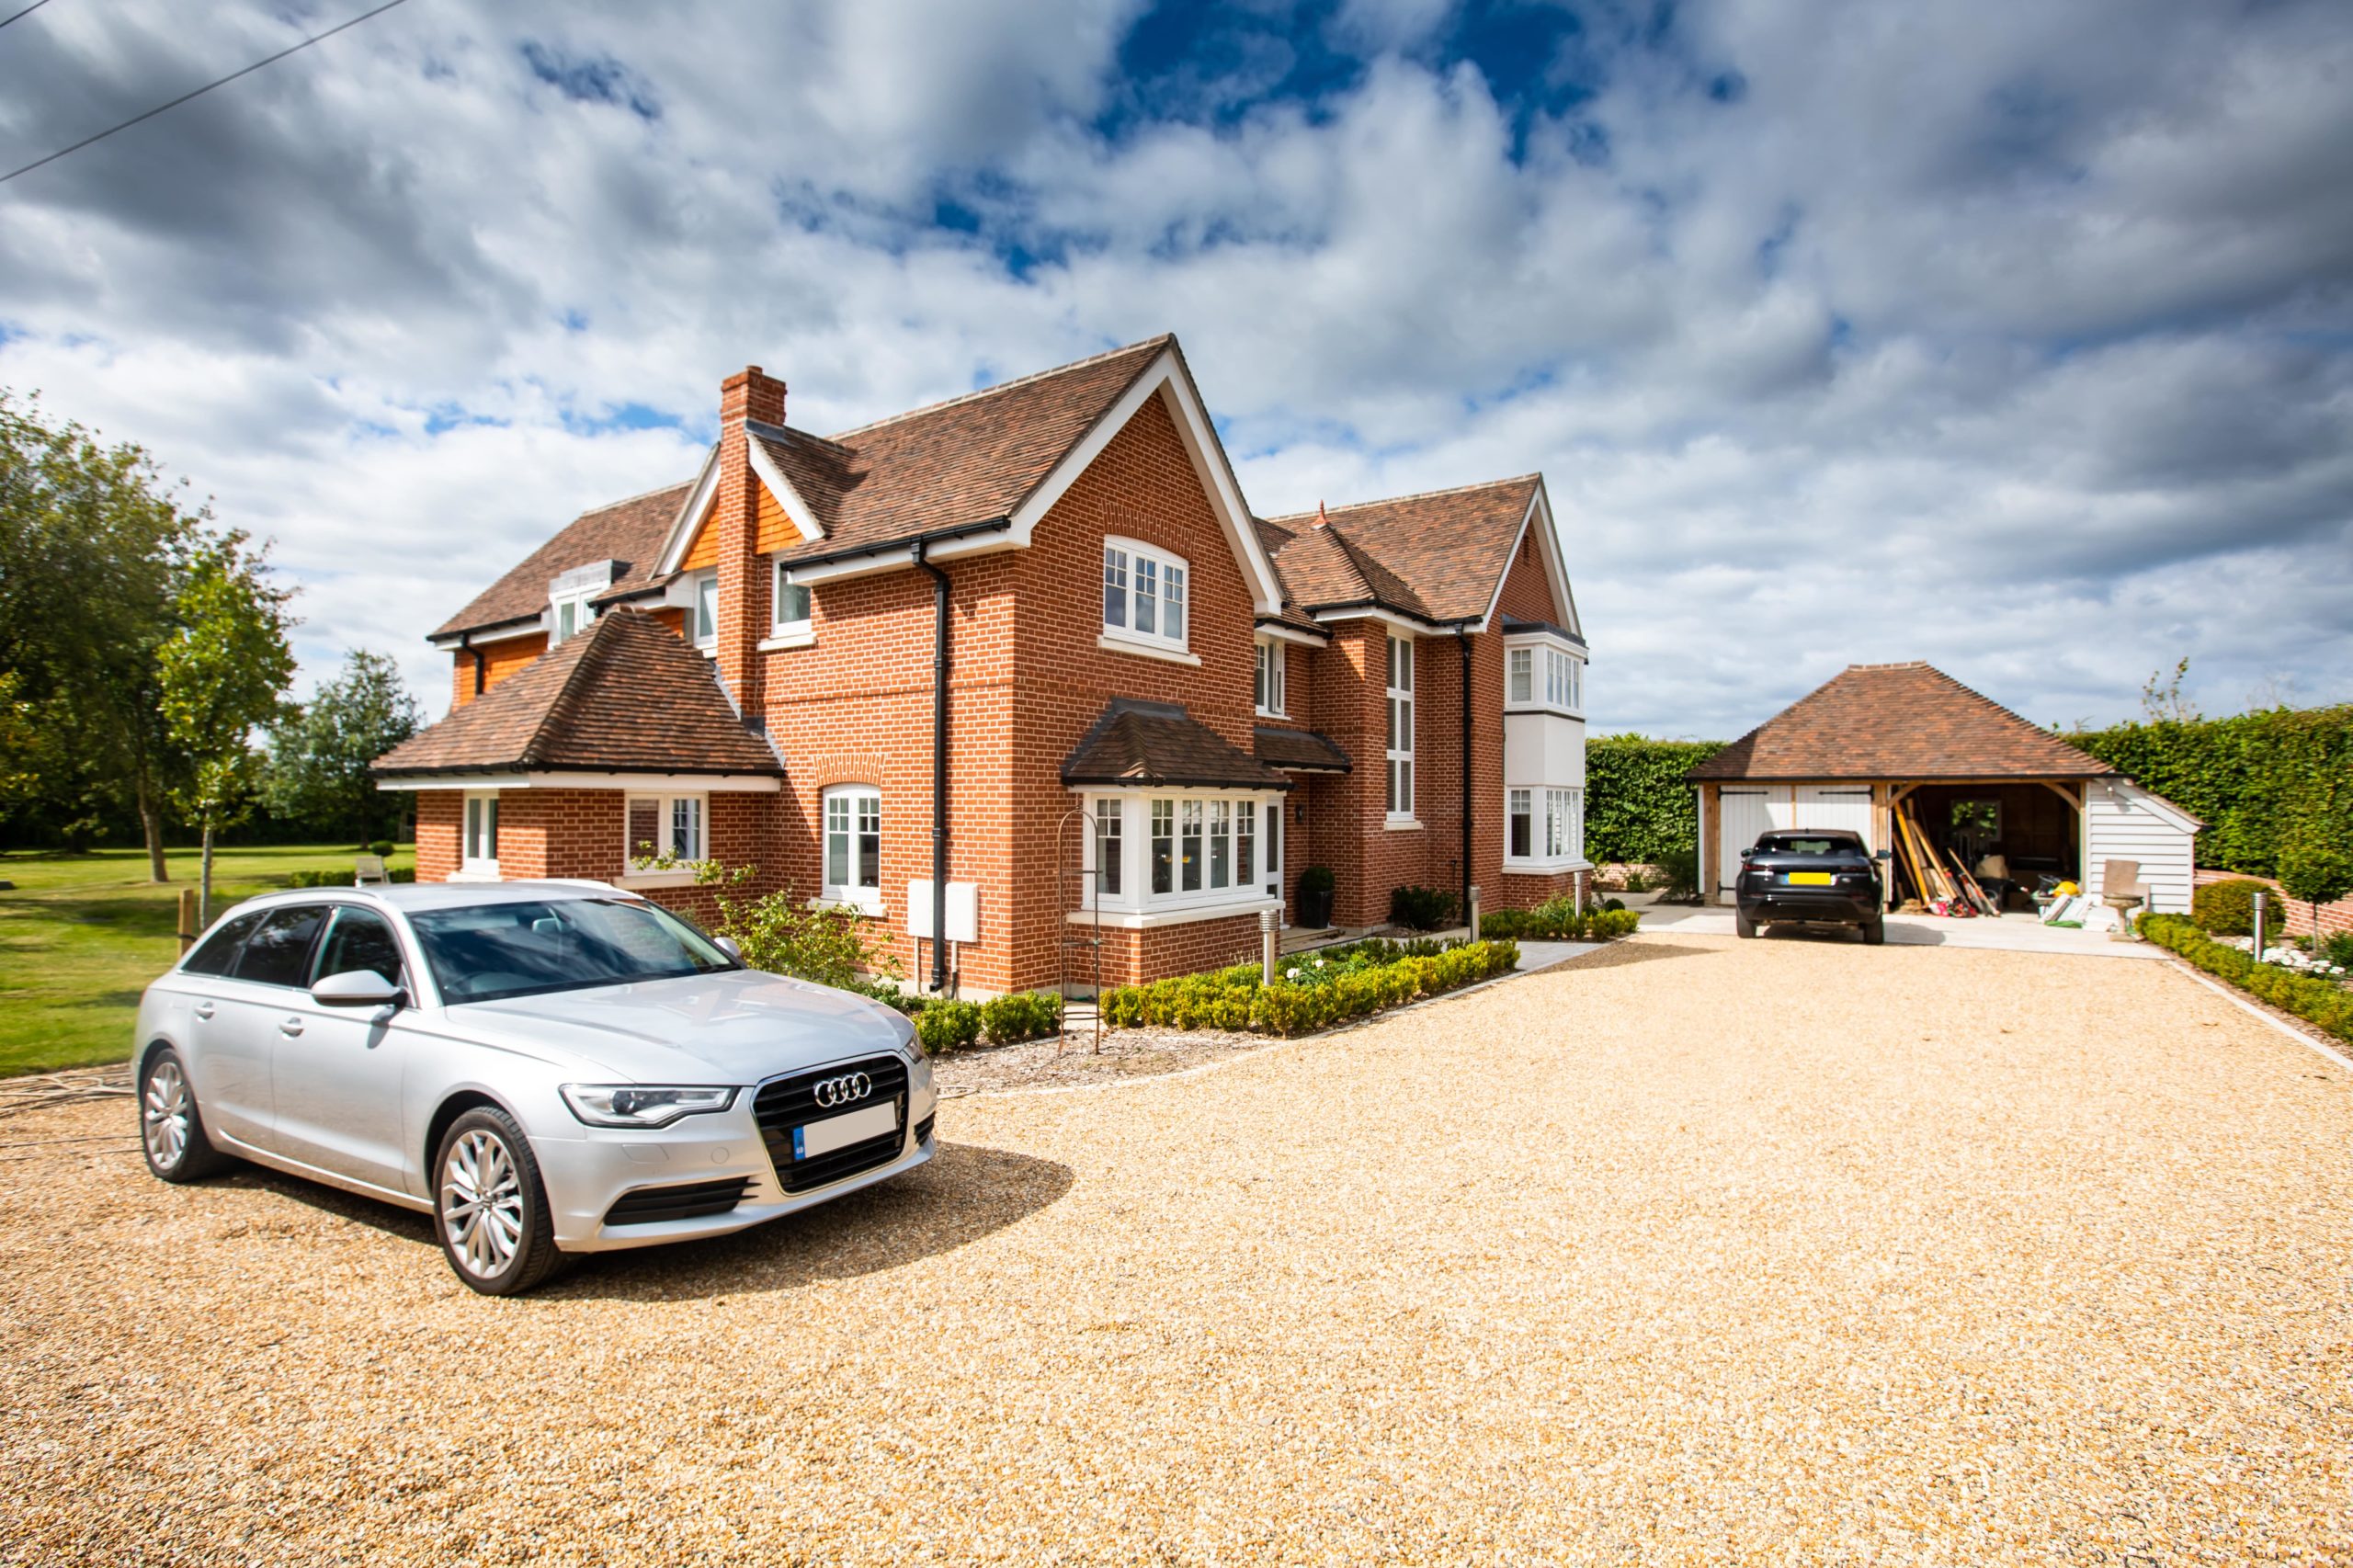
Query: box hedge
{"points": [[1315, 990], [2321, 1002]]}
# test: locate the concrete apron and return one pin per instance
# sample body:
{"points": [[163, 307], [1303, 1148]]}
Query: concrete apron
{"points": [[2011, 933]]}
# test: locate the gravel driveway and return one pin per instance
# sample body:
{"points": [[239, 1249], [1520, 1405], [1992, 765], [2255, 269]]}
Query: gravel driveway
{"points": [[1688, 1251]]}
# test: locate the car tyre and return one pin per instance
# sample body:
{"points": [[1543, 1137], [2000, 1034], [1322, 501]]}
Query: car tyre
{"points": [[171, 1127], [1742, 925], [1875, 933], [490, 1208]]}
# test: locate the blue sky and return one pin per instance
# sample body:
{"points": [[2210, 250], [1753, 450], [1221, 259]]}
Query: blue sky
{"points": [[2008, 335]]}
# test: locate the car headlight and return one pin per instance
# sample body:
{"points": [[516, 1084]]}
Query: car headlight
{"points": [[641, 1105]]}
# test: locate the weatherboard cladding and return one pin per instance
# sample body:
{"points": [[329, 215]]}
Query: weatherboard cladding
{"points": [[1897, 721], [626, 695]]}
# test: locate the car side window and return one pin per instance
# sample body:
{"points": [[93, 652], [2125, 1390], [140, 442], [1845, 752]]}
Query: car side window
{"points": [[279, 953], [358, 939], [217, 954]]}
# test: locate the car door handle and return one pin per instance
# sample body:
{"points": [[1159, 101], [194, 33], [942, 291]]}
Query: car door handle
{"points": [[204, 1009], [290, 1026]]}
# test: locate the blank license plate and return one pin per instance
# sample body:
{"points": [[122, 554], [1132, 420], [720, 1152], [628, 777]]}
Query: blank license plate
{"points": [[841, 1131], [1809, 878]]}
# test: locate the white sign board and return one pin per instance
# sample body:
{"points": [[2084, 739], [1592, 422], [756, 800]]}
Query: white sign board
{"points": [[963, 910]]}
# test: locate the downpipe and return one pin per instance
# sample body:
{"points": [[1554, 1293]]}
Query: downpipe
{"points": [[939, 767]]}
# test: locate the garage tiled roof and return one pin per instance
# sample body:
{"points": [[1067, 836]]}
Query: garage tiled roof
{"points": [[628, 694], [1897, 721], [1300, 751], [629, 531], [1438, 556], [1160, 744]]}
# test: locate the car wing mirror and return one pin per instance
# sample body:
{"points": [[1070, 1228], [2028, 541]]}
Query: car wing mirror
{"points": [[357, 988], [727, 945]]}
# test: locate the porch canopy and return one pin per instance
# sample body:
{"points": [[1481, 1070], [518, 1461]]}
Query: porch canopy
{"points": [[1983, 784]]}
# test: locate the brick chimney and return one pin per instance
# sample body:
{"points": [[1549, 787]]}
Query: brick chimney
{"points": [[744, 580]]}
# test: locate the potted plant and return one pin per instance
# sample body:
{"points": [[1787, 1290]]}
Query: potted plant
{"points": [[1315, 904]]}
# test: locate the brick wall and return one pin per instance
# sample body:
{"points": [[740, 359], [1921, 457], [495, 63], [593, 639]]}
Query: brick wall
{"points": [[438, 826], [2333, 917]]}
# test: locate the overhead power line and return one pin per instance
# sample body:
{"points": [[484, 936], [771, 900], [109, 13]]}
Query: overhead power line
{"points": [[198, 93], [28, 11]]}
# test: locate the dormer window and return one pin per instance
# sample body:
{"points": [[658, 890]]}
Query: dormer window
{"points": [[571, 599], [1143, 594]]}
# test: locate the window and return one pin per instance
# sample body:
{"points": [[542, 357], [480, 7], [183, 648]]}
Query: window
{"points": [[790, 604], [1143, 593], [705, 617], [1541, 676], [664, 826], [1274, 848], [1543, 825], [1220, 844], [1401, 726], [279, 953], [1164, 847], [1110, 846], [1516, 810], [1245, 840], [854, 845], [1188, 846], [1556, 824], [218, 955], [1269, 688], [482, 952], [358, 941], [479, 853], [1523, 675]]}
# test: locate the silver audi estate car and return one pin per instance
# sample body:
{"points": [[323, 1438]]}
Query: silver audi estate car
{"points": [[547, 1068]]}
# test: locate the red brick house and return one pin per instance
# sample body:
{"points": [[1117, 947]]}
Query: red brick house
{"points": [[748, 668]]}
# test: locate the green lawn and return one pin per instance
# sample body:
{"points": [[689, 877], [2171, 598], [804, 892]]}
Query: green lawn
{"points": [[82, 935]]}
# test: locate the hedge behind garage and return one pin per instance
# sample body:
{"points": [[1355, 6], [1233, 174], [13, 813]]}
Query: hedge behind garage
{"points": [[2251, 776], [1637, 805]]}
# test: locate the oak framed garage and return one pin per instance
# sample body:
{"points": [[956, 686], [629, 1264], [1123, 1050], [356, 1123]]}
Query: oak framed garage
{"points": [[1981, 782]]}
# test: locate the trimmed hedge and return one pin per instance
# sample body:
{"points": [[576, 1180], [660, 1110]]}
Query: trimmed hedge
{"points": [[945, 1025], [2227, 909], [1420, 908], [1637, 806], [2252, 777], [1319, 991], [340, 878], [1559, 920], [1022, 1015], [2320, 1002]]}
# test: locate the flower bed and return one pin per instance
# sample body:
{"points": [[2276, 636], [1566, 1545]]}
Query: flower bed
{"points": [[2320, 1002], [1314, 992], [1559, 920]]}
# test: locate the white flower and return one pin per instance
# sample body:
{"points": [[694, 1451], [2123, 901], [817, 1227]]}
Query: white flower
{"points": [[1293, 973]]}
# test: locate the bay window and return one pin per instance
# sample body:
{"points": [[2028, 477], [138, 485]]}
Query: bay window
{"points": [[1523, 675], [853, 870], [1192, 852], [1543, 674], [1144, 594], [1401, 728]]}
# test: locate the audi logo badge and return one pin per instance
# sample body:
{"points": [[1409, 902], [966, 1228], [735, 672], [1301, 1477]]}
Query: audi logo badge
{"points": [[848, 1089]]}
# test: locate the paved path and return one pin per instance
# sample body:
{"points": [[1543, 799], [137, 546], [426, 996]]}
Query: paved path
{"points": [[2011, 933], [1691, 1250]]}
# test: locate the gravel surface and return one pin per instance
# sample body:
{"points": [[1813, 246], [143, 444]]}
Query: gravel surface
{"points": [[1690, 1251], [1125, 1054]]}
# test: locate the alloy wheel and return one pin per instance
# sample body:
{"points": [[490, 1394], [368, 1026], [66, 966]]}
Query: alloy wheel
{"points": [[482, 1203], [164, 1114]]}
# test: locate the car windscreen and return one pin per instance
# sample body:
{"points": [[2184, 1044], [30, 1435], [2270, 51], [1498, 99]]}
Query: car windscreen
{"points": [[489, 951]]}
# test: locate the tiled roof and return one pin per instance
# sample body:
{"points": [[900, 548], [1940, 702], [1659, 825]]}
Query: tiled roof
{"points": [[1898, 722], [1436, 556], [1160, 744], [1300, 751], [628, 531], [970, 459], [628, 694]]}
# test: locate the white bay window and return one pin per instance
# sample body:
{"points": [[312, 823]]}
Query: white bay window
{"points": [[1184, 853]]}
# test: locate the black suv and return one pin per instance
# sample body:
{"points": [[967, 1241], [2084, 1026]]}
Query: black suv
{"points": [[1813, 874]]}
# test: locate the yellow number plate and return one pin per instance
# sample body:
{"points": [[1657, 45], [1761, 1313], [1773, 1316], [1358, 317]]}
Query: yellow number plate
{"points": [[1809, 878]]}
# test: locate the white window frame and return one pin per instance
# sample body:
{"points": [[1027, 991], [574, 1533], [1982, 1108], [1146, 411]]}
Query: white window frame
{"points": [[1133, 814], [1519, 803], [1399, 780], [1124, 560], [1555, 673], [1556, 815], [1521, 661], [851, 798], [666, 807], [785, 631], [1268, 679], [705, 580], [583, 612], [478, 829]]}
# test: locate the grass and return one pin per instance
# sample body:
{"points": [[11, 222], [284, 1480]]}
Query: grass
{"points": [[82, 935]]}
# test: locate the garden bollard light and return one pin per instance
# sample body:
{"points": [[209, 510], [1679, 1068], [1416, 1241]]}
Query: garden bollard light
{"points": [[2258, 925], [1267, 957], [1474, 911]]}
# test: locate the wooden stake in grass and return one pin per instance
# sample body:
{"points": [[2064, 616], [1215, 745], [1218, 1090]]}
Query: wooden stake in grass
{"points": [[187, 918]]}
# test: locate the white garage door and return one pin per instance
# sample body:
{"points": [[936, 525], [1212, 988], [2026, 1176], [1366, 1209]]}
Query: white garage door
{"points": [[1837, 805], [1747, 811]]}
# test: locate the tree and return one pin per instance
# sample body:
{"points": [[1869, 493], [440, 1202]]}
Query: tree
{"points": [[319, 755], [92, 550], [2316, 857], [2162, 699], [222, 675]]}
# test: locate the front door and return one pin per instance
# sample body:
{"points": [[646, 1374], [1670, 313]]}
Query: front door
{"points": [[338, 1070]]}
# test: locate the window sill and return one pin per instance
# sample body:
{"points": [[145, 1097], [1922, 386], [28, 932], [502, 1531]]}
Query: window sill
{"points": [[669, 878], [803, 636], [869, 906], [1401, 825], [1557, 713], [708, 650], [1517, 867], [1273, 713], [1137, 645], [476, 871], [1152, 919]]}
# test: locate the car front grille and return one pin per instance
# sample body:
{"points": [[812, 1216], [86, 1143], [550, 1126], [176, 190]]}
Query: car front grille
{"points": [[792, 1102], [922, 1130], [682, 1200]]}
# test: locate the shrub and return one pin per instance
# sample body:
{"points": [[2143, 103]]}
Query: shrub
{"points": [[1023, 1015], [781, 935], [1314, 993], [1636, 882], [2314, 869], [1421, 908], [1681, 865], [1316, 879], [946, 1025], [340, 878], [2336, 949], [381, 849], [2227, 909], [2321, 1002]]}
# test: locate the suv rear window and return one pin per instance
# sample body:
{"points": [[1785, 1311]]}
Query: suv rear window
{"points": [[1797, 844], [279, 953], [217, 954]]}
